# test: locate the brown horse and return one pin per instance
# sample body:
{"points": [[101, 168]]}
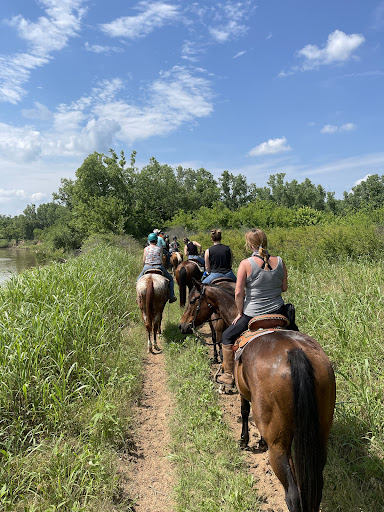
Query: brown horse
{"points": [[152, 295], [216, 322], [176, 259], [185, 272], [289, 381]]}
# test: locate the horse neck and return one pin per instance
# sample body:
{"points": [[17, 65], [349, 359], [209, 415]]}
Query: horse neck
{"points": [[223, 302]]}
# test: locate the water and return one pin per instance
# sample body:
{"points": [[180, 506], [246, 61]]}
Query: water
{"points": [[14, 261]]}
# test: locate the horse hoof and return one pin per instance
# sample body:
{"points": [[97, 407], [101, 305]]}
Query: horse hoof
{"points": [[156, 347]]}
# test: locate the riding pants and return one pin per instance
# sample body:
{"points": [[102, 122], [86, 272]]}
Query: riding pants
{"points": [[217, 275], [199, 259]]}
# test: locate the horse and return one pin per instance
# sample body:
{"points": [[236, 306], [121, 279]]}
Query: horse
{"points": [[216, 322], [176, 259], [184, 273], [152, 295], [289, 380]]}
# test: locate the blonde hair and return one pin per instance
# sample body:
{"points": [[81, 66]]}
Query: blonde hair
{"points": [[256, 238], [216, 235]]}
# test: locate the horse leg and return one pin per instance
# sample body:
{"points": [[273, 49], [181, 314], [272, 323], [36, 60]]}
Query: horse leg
{"points": [[149, 343], [281, 463], [214, 342], [245, 409]]}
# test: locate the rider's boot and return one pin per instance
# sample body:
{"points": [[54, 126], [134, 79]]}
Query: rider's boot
{"points": [[228, 362]]}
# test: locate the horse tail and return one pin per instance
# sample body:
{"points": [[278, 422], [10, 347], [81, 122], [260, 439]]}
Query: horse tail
{"points": [[149, 300], [183, 286], [308, 448]]}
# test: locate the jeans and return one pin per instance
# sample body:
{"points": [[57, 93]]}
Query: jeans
{"points": [[166, 274], [199, 259], [217, 275]]}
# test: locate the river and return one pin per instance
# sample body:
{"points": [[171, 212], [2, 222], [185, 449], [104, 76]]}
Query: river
{"points": [[14, 261]]}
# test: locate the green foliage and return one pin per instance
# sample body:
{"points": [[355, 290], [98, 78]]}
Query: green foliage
{"points": [[67, 375], [211, 472]]}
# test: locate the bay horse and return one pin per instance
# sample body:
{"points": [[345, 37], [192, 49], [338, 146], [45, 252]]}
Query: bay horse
{"points": [[184, 273], [152, 295], [176, 259], [289, 381]]}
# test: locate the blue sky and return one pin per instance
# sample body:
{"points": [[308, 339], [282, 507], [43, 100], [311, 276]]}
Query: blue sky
{"points": [[253, 87]]}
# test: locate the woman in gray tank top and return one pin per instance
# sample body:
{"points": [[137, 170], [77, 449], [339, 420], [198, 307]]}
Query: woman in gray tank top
{"points": [[260, 281]]}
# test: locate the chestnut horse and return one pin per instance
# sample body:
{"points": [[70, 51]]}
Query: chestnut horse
{"points": [[185, 272], [152, 295], [289, 381], [176, 259], [216, 322]]}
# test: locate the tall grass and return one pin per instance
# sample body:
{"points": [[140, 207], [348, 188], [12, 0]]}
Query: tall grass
{"points": [[342, 306], [65, 363]]}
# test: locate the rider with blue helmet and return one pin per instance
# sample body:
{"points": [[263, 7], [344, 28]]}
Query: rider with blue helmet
{"points": [[153, 258]]}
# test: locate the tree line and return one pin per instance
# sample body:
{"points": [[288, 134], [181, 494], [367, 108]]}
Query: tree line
{"points": [[111, 195]]}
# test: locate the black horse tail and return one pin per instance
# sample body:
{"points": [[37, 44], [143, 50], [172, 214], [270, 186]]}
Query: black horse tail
{"points": [[183, 286], [309, 450], [149, 300]]}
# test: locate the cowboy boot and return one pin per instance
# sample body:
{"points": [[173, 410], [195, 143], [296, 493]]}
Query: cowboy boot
{"points": [[228, 361]]}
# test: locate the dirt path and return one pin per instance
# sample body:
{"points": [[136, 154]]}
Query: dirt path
{"points": [[267, 484], [149, 473], [149, 477]]}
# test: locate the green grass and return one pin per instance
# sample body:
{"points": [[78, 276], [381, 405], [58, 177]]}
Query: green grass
{"points": [[212, 476], [342, 306], [70, 364]]}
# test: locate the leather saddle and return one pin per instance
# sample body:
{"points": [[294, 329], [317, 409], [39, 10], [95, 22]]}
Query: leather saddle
{"points": [[258, 326], [157, 271]]}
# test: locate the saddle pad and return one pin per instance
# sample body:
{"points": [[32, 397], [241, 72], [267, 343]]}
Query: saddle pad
{"points": [[197, 265], [246, 338], [268, 322]]}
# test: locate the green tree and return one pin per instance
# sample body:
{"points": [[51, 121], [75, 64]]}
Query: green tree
{"points": [[368, 194], [234, 190]]}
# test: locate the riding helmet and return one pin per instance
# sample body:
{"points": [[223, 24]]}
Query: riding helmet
{"points": [[152, 237]]}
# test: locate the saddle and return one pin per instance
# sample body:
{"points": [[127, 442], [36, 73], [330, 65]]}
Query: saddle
{"points": [[219, 280], [157, 271], [259, 326], [198, 265]]}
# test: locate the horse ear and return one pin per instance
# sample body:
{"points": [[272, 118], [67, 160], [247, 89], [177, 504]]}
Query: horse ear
{"points": [[196, 283]]}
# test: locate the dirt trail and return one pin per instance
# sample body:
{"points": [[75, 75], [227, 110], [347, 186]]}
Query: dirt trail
{"points": [[149, 476]]}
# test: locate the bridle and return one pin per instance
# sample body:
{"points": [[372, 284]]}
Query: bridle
{"points": [[201, 296]]}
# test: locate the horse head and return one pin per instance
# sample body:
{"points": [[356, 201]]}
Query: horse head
{"points": [[199, 308]]}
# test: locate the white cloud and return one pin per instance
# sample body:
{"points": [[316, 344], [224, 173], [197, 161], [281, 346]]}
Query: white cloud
{"points": [[239, 54], [153, 15], [8, 195], [360, 181], [229, 20], [96, 121], [271, 147], [331, 128], [191, 51], [97, 48], [40, 112], [50, 33], [339, 48]]}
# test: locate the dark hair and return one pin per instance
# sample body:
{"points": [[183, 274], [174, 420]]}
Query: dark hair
{"points": [[216, 235]]}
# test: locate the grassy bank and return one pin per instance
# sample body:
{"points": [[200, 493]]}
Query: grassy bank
{"points": [[336, 281], [212, 476], [70, 362]]}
